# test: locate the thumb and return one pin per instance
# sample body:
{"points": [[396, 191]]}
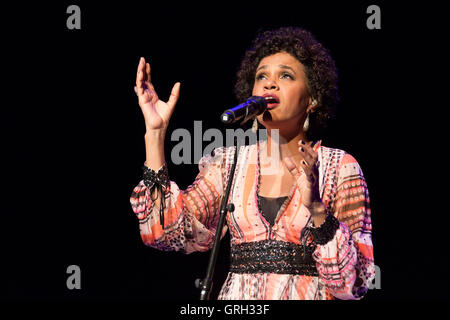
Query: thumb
{"points": [[174, 95], [291, 166]]}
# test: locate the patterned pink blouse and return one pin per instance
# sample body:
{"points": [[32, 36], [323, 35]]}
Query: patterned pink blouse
{"points": [[345, 264]]}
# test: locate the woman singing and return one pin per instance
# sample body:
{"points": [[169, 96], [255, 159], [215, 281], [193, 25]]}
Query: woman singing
{"points": [[301, 228]]}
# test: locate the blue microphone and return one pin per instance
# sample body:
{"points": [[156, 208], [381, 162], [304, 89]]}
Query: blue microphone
{"points": [[254, 106]]}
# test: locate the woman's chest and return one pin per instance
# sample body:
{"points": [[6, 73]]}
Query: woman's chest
{"points": [[248, 223]]}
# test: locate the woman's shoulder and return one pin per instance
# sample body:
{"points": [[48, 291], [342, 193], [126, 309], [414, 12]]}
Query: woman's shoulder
{"points": [[340, 158]]}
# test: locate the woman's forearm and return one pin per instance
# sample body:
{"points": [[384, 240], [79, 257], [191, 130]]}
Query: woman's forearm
{"points": [[154, 148]]}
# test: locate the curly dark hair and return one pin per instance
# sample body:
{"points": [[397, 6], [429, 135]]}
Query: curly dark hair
{"points": [[321, 71]]}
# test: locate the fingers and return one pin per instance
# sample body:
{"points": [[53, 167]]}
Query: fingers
{"points": [[293, 169], [308, 153], [143, 74], [174, 95], [307, 165], [309, 162], [144, 84], [140, 77], [309, 171], [147, 72]]}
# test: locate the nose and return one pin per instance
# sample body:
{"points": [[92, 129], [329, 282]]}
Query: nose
{"points": [[270, 85]]}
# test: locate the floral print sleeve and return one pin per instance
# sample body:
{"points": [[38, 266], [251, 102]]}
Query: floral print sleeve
{"points": [[190, 215], [345, 264]]}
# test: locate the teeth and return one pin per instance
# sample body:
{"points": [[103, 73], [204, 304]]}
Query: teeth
{"points": [[270, 99]]}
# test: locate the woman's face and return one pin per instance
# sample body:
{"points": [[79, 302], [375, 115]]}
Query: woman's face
{"points": [[282, 76]]}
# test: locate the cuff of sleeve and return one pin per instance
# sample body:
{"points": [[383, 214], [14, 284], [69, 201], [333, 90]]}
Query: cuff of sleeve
{"points": [[325, 233], [152, 178]]}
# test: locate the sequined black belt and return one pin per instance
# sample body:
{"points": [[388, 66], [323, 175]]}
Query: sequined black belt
{"points": [[272, 256]]}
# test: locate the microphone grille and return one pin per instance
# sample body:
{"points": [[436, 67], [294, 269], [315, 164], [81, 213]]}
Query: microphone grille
{"points": [[226, 118]]}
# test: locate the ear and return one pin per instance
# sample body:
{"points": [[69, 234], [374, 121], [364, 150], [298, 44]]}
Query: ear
{"points": [[312, 105]]}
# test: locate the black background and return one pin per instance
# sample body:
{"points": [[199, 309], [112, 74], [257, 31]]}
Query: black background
{"points": [[73, 136]]}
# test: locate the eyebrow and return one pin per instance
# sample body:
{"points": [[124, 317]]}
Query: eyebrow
{"points": [[283, 66]]}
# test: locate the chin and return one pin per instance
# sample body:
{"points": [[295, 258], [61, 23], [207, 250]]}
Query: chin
{"points": [[268, 119], [273, 122]]}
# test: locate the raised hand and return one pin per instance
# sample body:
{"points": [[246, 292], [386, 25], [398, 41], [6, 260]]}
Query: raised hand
{"points": [[307, 176], [156, 112]]}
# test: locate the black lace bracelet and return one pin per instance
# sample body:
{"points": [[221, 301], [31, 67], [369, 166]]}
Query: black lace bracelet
{"points": [[157, 180], [323, 234]]}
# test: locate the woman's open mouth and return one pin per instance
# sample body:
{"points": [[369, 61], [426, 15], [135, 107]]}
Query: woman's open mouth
{"points": [[271, 100]]}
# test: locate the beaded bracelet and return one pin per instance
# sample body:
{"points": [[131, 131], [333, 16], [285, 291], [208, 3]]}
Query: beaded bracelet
{"points": [[157, 180], [323, 234]]}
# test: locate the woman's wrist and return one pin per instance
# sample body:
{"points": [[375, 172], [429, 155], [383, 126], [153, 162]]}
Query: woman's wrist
{"points": [[154, 149], [159, 134], [326, 231], [324, 224], [319, 220], [318, 213]]}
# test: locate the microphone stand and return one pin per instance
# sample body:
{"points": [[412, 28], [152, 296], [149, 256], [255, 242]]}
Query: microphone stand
{"points": [[205, 285]]}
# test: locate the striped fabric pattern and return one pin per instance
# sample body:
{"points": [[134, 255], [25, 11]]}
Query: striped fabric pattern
{"points": [[345, 264]]}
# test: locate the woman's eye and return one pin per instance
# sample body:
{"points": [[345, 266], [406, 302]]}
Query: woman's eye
{"points": [[284, 75]]}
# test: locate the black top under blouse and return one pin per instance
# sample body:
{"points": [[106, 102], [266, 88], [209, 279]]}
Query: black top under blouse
{"points": [[270, 207]]}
